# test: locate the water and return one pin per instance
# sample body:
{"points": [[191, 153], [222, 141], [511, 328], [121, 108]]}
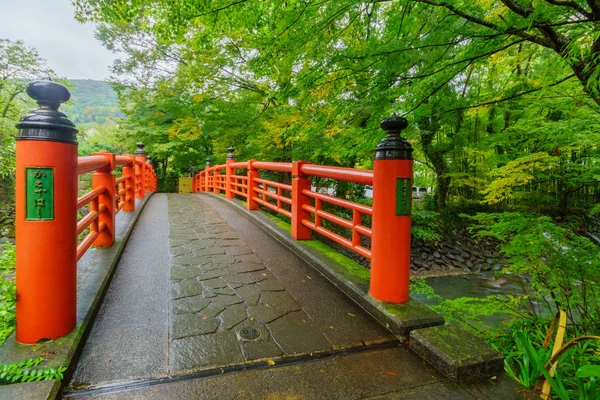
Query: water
{"points": [[475, 285]]}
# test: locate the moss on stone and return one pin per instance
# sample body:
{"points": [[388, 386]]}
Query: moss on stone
{"points": [[354, 268]]}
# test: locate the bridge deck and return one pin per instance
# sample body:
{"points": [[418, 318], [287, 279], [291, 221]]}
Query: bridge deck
{"points": [[201, 291]]}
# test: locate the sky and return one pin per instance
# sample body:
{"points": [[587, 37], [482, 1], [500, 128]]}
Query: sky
{"points": [[49, 26]]}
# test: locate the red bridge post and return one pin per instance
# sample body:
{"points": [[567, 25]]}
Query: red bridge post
{"points": [[253, 173], [105, 206], [392, 209], [46, 218], [129, 169], [140, 171], [206, 175], [299, 183], [228, 172]]}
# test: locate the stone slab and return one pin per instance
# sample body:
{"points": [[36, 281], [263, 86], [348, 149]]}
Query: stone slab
{"points": [[205, 351], [31, 390], [457, 353]]}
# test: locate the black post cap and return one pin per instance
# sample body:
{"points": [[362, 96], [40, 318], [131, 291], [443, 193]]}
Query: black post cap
{"points": [[230, 153], [47, 123], [208, 161], [140, 149], [149, 158], [393, 146]]}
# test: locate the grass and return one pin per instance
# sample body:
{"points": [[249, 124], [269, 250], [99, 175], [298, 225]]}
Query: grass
{"points": [[354, 268]]}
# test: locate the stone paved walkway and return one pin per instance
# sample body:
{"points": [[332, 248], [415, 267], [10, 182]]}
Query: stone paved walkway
{"points": [[228, 307]]}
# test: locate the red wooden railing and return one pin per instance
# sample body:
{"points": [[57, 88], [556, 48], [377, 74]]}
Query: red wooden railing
{"points": [[281, 197], [389, 232], [110, 195]]}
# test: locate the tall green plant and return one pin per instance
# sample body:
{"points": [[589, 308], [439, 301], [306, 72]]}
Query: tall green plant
{"points": [[563, 267]]}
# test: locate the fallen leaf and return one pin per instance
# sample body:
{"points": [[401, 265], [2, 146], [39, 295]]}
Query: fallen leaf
{"points": [[352, 315], [270, 362], [330, 327], [390, 373], [308, 277], [204, 318], [252, 319]]}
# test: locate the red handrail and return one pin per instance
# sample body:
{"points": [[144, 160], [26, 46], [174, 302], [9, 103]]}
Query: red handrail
{"points": [[110, 195], [361, 176], [91, 163], [273, 166], [125, 160]]}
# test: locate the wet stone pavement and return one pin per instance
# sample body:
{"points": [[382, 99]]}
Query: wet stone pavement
{"points": [[227, 306]]}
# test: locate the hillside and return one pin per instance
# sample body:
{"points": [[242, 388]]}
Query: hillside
{"points": [[92, 101]]}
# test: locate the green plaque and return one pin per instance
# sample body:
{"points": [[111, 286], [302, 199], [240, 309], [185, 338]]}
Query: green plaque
{"points": [[403, 196], [39, 193]]}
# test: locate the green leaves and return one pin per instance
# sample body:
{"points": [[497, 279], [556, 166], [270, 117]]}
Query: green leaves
{"points": [[7, 291], [24, 371]]}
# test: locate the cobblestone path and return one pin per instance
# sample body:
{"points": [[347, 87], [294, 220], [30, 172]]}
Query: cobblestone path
{"points": [[227, 306]]}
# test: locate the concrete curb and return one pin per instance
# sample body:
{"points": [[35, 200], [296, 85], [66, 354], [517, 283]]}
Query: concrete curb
{"points": [[95, 271], [456, 353]]}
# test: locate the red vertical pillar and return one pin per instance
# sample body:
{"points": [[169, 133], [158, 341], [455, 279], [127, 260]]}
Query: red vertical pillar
{"points": [[46, 218], [106, 219], [129, 169], [392, 208], [251, 204], [206, 175], [140, 169], [216, 188], [299, 183], [150, 175], [229, 172]]}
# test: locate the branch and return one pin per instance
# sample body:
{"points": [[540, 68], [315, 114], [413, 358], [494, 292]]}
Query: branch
{"points": [[294, 22], [490, 25], [573, 5], [469, 60], [220, 9], [383, 53], [522, 11], [438, 88], [514, 96]]}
